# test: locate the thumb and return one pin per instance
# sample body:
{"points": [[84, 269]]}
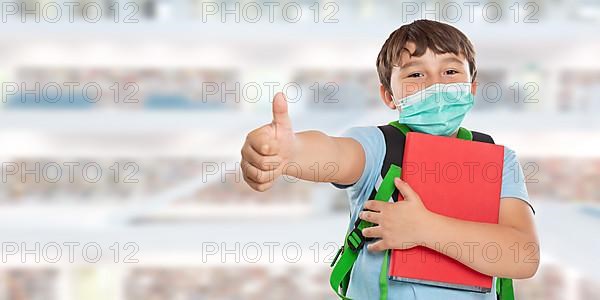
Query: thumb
{"points": [[407, 192], [280, 111]]}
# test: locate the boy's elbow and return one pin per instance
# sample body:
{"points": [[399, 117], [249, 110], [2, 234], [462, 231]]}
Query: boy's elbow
{"points": [[529, 271], [532, 260], [533, 267], [529, 267]]}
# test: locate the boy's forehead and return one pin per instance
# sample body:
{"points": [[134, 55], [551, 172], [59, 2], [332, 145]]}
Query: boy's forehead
{"points": [[410, 48]]}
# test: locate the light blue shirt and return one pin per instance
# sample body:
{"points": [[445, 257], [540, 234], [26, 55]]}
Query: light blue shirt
{"points": [[364, 281]]}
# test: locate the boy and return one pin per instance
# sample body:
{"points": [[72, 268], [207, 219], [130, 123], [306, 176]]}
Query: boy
{"points": [[418, 57]]}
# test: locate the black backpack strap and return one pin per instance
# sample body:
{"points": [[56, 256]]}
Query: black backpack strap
{"points": [[482, 137], [394, 150]]}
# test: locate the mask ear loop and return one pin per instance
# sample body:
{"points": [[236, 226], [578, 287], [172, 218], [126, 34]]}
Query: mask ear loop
{"points": [[397, 103]]}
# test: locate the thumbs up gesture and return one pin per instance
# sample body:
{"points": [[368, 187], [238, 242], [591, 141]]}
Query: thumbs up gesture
{"points": [[268, 148]]}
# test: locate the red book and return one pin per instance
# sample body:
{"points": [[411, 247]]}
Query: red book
{"points": [[459, 179]]}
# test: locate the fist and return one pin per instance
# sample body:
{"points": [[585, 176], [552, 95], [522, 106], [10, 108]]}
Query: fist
{"points": [[268, 148]]}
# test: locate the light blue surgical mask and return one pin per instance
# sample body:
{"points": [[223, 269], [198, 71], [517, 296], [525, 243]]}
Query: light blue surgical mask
{"points": [[438, 109]]}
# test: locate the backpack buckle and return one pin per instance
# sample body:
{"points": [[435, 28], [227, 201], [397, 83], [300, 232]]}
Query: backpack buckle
{"points": [[355, 239]]}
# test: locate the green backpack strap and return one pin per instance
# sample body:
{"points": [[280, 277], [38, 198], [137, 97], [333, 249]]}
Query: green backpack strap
{"points": [[464, 134], [402, 127], [505, 289], [344, 260]]}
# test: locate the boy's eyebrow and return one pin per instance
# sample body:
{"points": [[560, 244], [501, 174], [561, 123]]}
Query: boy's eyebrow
{"points": [[452, 59], [417, 63], [410, 64]]}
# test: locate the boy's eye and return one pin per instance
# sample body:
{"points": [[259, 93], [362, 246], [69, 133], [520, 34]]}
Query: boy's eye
{"points": [[415, 75], [451, 72]]}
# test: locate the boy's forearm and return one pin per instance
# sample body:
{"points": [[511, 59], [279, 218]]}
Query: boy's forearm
{"points": [[493, 249], [321, 158]]}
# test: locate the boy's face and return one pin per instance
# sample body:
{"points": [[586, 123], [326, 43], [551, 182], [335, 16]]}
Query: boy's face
{"points": [[416, 73]]}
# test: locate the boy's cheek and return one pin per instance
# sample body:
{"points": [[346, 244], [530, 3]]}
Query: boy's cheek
{"points": [[405, 89], [410, 88]]}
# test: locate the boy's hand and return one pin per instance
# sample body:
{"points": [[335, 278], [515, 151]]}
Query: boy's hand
{"points": [[268, 148], [399, 224]]}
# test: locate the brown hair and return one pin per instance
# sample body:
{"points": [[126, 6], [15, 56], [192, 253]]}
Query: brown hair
{"points": [[425, 34]]}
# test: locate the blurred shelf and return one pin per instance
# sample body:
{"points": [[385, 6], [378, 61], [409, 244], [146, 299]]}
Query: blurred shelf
{"points": [[345, 28], [213, 134], [115, 121], [562, 227], [220, 123], [217, 212], [120, 121], [183, 44], [187, 238], [99, 215]]}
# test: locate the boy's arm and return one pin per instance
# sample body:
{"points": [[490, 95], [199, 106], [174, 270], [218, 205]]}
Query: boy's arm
{"points": [[323, 158], [274, 149], [508, 249]]}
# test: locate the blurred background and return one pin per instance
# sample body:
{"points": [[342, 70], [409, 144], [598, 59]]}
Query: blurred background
{"points": [[121, 124]]}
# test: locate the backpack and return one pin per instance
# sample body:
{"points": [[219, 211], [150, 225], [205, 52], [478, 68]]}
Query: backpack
{"points": [[395, 137]]}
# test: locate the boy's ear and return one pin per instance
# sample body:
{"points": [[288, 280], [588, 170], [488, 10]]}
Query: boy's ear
{"points": [[473, 87], [386, 97]]}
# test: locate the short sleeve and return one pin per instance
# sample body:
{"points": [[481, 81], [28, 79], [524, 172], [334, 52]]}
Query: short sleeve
{"points": [[513, 180], [372, 141]]}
